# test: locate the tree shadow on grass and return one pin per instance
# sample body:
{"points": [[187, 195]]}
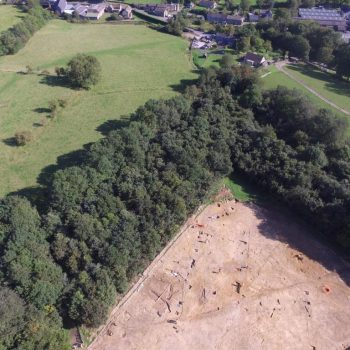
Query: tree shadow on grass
{"points": [[36, 195], [332, 84], [184, 83], [113, 124], [42, 110], [11, 141], [53, 80], [65, 161], [39, 195]]}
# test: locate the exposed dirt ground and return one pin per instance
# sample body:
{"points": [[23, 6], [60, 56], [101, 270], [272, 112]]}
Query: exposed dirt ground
{"points": [[238, 277]]}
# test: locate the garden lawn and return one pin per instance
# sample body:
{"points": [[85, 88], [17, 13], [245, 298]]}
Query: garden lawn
{"points": [[213, 58], [276, 78], [138, 64], [9, 15]]}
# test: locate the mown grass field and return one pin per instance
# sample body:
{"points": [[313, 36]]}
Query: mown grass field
{"points": [[138, 63], [324, 83], [276, 78], [9, 15]]}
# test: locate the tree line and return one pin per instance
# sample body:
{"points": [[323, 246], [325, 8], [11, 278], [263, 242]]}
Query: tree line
{"points": [[107, 217], [14, 39], [286, 36]]}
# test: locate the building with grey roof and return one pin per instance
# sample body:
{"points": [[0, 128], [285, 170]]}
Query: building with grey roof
{"points": [[324, 17]]}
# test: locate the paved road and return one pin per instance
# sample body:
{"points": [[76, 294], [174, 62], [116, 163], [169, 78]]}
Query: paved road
{"points": [[280, 67]]}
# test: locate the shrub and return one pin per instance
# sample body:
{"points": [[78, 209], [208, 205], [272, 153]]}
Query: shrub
{"points": [[29, 69], [23, 137], [62, 103]]}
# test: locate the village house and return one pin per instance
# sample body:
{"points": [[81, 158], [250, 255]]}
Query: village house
{"points": [[262, 15], [235, 20], [95, 12], [122, 10], [225, 19], [253, 17], [113, 8], [254, 60], [126, 12], [216, 17], [80, 10], [160, 10], [208, 4], [60, 6]]}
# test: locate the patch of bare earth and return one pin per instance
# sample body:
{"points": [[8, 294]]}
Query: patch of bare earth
{"points": [[238, 277]]}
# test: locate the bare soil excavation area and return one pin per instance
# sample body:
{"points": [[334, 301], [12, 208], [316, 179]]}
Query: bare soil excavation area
{"points": [[237, 277]]}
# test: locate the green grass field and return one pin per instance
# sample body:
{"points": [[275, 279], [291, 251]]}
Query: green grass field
{"points": [[324, 83], [138, 63], [239, 190], [9, 15], [213, 58], [278, 78]]}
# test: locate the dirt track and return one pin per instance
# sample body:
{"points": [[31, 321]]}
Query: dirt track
{"points": [[247, 279], [280, 66]]}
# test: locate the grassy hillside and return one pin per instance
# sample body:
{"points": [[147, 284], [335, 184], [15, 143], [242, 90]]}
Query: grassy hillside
{"points": [[9, 15], [324, 83], [138, 64], [276, 78]]}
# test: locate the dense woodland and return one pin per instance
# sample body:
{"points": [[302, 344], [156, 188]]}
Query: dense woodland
{"points": [[108, 216]]}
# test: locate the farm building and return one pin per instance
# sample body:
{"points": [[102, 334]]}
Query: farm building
{"points": [[326, 18], [123, 10], [216, 17], [126, 12], [208, 4], [60, 6], [160, 10], [225, 19], [95, 12], [262, 15], [254, 59], [235, 20]]}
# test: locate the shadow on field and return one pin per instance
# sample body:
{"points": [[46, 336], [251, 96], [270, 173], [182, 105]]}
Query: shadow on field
{"points": [[64, 161], [113, 124], [42, 110], [53, 80], [333, 84], [278, 223], [11, 141], [184, 83], [36, 195], [39, 195]]}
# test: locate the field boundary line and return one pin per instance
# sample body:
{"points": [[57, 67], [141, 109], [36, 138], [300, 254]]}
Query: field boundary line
{"points": [[146, 273]]}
